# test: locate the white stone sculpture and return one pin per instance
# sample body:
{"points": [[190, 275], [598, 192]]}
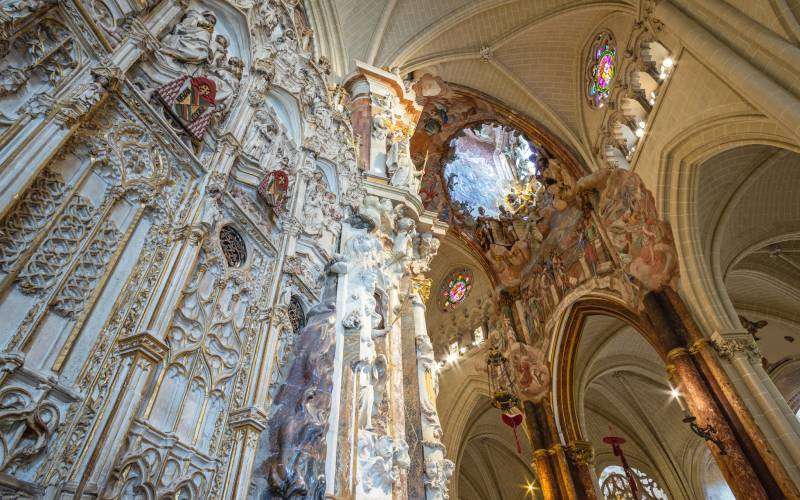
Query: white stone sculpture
{"points": [[190, 40], [314, 206], [404, 238], [437, 476], [405, 174], [372, 387], [260, 134], [380, 458]]}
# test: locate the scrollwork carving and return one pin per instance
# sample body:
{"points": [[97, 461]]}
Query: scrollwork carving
{"points": [[26, 425], [39, 58]]}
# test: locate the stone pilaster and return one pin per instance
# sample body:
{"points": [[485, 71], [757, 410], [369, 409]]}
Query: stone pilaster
{"points": [[140, 357]]}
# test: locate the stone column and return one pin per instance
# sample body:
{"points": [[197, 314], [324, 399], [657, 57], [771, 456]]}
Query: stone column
{"points": [[544, 471], [581, 454], [536, 421], [736, 466], [411, 392], [247, 424], [394, 352], [438, 469], [769, 456], [705, 354], [558, 455]]}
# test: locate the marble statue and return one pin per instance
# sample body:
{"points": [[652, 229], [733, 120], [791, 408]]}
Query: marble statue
{"points": [[190, 40], [314, 206], [372, 386]]}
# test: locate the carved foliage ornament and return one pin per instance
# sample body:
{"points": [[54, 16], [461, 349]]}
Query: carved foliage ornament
{"points": [[26, 425], [35, 62]]}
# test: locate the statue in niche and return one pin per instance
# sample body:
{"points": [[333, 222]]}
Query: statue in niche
{"points": [[260, 134], [404, 174], [372, 387], [380, 130], [190, 40], [404, 237], [314, 206], [191, 52], [228, 74], [393, 156], [322, 115]]}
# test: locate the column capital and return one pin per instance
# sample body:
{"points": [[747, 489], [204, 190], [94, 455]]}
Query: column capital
{"points": [[581, 452], [420, 288], [249, 417], [737, 344], [145, 344], [675, 353]]}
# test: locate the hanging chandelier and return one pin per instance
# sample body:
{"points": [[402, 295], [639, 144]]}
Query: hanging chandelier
{"points": [[504, 391], [501, 383]]}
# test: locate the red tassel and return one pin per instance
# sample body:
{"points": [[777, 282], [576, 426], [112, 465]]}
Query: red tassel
{"points": [[513, 421]]}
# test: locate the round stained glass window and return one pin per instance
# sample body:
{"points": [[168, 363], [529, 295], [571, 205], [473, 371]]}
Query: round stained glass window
{"points": [[602, 69], [455, 288]]}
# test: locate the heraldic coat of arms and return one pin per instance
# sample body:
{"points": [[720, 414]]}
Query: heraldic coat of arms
{"points": [[190, 101]]}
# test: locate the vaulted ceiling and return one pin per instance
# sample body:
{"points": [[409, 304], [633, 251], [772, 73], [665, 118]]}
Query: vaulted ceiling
{"points": [[747, 221], [528, 54]]}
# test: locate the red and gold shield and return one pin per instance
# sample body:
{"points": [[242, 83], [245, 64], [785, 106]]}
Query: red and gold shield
{"points": [[191, 101]]}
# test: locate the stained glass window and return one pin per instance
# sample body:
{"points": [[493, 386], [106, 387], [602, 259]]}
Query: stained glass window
{"points": [[603, 68], [455, 288], [614, 485], [232, 246], [487, 162]]}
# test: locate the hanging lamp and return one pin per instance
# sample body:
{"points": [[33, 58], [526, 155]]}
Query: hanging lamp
{"points": [[504, 391]]}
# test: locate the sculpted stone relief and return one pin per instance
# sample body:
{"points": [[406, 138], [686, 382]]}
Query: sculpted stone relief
{"points": [[133, 368], [60, 240], [208, 340], [558, 234], [101, 241], [35, 61]]}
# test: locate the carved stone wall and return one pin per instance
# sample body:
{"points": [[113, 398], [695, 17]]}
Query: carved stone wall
{"points": [[137, 360]]}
